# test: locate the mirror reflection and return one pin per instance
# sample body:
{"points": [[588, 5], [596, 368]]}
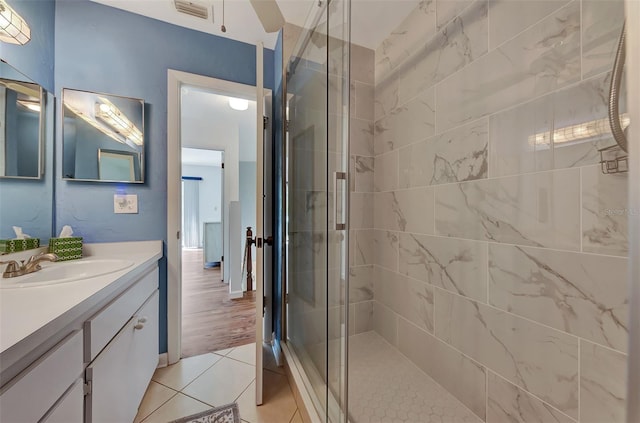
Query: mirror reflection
{"points": [[26, 201], [103, 137], [21, 125]]}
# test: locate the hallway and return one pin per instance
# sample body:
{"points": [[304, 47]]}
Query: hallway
{"points": [[211, 321]]}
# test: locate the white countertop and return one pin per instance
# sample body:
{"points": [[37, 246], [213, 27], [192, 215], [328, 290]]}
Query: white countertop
{"points": [[41, 310]]}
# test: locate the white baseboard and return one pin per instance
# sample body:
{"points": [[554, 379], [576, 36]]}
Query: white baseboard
{"points": [[236, 294], [163, 360]]}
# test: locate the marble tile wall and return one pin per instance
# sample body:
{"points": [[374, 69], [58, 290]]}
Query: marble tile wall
{"points": [[364, 241], [498, 251]]}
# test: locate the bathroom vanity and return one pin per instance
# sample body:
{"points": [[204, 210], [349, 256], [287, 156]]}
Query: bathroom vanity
{"points": [[81, 348]]}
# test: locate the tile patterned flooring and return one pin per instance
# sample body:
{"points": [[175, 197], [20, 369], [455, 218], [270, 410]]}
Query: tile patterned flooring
{"points": [[209, 380], [384, 386]]}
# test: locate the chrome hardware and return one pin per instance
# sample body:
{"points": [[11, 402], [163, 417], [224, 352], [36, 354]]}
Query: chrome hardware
{"points": [[14, 268], [141, 322], [339, 211]]}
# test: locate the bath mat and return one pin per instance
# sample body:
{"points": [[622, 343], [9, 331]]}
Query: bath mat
{"points": [[225, 414]]}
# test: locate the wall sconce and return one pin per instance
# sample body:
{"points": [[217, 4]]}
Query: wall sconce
{"points": [[113, 117], [13, 29]]}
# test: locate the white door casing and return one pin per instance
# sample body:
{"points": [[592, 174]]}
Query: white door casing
{"points": [[175, 80]]}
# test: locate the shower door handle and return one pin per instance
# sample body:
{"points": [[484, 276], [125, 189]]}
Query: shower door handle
{"points": [[339, 214]]}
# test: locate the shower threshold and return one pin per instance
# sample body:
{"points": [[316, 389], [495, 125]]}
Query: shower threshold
{"points": [[384, 386]]}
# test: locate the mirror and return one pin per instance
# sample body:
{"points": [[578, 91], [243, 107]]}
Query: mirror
{"points": [[26, 180], [21, 126], [103, 137]]}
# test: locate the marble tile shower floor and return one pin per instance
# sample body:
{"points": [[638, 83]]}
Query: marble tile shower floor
{"points": [[384, 386]]}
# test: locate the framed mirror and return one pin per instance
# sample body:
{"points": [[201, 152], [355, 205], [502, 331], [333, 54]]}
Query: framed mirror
{"points": [[22, 114], [103, 137], [26, 160]]}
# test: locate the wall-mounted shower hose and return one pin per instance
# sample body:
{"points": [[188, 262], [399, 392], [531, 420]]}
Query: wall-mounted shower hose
{"points": [[614, 93]]}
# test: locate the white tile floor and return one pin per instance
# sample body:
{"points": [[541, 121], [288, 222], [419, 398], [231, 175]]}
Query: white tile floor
{"points": [[385, 387], [198, 383]]}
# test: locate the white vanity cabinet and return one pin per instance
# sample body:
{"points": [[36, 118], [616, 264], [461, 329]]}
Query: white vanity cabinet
{"points": [[29, 396], [97, 365], [118, 376]]}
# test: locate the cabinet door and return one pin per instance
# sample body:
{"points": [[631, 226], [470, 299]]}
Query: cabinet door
{"points": [[119, 376], [69, 408], [34, 391]]}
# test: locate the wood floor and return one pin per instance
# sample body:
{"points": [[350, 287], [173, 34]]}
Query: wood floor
{"points": [[211, 321]]}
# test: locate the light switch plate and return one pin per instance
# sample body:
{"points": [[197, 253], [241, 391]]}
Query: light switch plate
{"points": [[125, 203]]}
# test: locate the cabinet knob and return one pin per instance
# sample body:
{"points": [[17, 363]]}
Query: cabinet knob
{"points": [[141, 321]]}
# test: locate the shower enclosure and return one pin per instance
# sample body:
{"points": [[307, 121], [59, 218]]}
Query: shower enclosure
{"points": [[458, 243]]}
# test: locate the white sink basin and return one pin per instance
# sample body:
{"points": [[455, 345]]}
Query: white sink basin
{"points": [[55, 273]]}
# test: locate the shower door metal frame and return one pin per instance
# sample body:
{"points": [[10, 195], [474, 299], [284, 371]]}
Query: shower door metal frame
{"points": [[342, 177], [632, 9]]}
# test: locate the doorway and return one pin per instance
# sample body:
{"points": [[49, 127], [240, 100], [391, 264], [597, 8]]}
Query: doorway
{"points": [[234, 158], [218, 313]]}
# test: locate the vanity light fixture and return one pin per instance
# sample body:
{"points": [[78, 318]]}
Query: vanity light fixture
{"points": [[238, 103], [32, 105], [91, 121], [13, 29], [112, 116], [579, 132]]}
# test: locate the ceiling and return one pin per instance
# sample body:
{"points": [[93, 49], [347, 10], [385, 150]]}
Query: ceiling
{"points": [[207, 118], [372, 20], [197, 157]]}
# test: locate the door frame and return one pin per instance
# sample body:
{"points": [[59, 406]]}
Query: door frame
{"points": [[175, 80]]}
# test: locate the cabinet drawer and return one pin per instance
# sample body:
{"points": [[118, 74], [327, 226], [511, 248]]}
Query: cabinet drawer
{"points": [[122, 371], [40, 385], [102, 327], [70, 407]]}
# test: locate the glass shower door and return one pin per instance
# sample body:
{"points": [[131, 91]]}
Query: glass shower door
{"points": [[317, 195]]}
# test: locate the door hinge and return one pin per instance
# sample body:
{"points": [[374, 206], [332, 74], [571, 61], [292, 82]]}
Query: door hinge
{"points": [[265, 122], [286, 125], [221, 258], [87, 388], [178, 235], [223, 165], [286, 298]]}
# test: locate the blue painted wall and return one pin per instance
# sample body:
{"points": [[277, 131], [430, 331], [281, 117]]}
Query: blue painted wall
{"points": [[103, 49], [31, 201], [36, 58]]}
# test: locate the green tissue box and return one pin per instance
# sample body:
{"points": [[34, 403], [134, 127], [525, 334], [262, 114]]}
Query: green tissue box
{"points": [[14, 245], [66, 248]]}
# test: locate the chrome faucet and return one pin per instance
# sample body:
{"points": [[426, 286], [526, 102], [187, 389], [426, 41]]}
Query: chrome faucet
{"points": [[21, 268]]}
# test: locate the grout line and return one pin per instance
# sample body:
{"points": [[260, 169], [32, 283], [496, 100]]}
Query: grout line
{"points": [[436, 339], [581, 205], [489, 4], [508, 40], [578, 338], [476, 362], [581, 26], [158, 407], [494, 178], [533, 395], [489, 242], [486, 393], [488, 275], [579, 379]]}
